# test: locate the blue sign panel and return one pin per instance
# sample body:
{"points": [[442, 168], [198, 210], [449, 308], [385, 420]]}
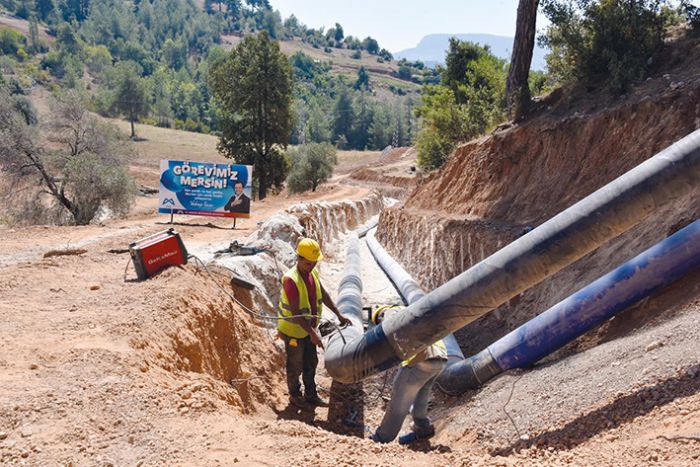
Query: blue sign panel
{"points": [[205, 189]]}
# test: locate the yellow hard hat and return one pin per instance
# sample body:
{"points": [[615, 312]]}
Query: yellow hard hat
{"points": [[309, 249], [378, 313]]}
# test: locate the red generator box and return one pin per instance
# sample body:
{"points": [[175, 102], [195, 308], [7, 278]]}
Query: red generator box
{"points": [[155, 253]]}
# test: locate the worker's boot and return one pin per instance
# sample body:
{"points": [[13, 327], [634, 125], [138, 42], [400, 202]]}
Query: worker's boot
{"points": [[423, 431], [298, 400], [315, 399]]}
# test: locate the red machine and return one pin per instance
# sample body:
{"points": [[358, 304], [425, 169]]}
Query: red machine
{"points": [[157, 252]]}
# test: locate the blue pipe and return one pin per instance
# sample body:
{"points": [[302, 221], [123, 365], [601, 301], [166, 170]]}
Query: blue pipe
{"points": [[636, 279]]}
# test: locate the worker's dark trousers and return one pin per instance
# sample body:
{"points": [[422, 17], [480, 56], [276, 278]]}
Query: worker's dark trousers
{"points": [[302, 360]]}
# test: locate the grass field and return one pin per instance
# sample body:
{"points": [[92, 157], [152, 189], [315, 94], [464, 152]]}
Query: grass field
{"points": [[157, 143], [164, 143]]}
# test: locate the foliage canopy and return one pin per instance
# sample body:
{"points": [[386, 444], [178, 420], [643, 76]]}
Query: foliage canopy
{"points": [[254, 87], [610, 41], [312, 164], [469, 100]]}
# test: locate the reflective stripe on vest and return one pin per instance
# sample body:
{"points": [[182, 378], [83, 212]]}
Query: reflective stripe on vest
{"points": [[436, 351], [288, 327]]}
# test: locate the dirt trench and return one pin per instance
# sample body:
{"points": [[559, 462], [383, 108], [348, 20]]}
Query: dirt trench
{"points": [[217, 328], [610, 396]]}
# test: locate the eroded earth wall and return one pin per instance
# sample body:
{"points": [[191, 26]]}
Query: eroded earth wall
{"points": [[496, 188]]}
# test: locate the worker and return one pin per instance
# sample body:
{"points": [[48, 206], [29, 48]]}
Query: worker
{"points": [[412, 386], [302, 298]]}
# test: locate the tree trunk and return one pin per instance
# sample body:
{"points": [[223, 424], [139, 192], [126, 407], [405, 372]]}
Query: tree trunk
{"points": [[517, 89], [133, 132], [262, 189]]}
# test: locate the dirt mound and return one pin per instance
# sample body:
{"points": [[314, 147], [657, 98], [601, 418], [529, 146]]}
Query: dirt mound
{"points": [[200, 330], [394, 173], [495, 188]]}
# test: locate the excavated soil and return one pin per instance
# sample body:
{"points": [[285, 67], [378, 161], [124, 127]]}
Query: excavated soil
{"points": [[626, 393]]}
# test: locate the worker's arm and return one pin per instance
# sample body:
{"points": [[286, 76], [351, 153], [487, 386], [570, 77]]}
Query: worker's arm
{"points": [[328, 301], [293, 296]]}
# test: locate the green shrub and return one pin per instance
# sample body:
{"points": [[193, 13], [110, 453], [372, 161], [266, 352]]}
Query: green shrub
{"points": [[26, 109], [98, 59], [610, 41], [470, 99], [433, 148], [311, 165], [12, 42]]}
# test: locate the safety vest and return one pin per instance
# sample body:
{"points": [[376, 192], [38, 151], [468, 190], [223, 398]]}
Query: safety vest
{"points": [[436, 351], [288, 327]]}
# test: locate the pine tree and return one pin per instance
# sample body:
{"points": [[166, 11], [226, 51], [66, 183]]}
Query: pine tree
{"points": [[130, 93], [254, 87], [343, 116]]}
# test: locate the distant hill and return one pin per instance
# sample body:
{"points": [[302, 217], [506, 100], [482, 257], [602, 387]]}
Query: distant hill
{"points": [[431, 49]]}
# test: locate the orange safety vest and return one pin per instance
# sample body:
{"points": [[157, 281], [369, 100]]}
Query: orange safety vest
{"points": [[288, 327]]}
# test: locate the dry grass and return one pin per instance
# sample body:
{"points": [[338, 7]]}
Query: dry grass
{"points": [[22, 26], [165, 143], [348, 160], [340, 58]]}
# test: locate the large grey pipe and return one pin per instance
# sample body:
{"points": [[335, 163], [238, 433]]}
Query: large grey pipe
{"points": [[568, 236], [408, 288], [349, 301]]}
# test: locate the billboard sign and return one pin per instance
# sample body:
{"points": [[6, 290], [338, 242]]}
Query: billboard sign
{"points": [[205, 188]]}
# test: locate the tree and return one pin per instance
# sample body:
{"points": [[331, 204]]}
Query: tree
{"points": [[517, 89], [68, 41], [130, 96], [343, 117], [11, 42], [35, 45], [370, 45], [382, 128], [364, 114], [610, 42], [405, 72], [338, 35], [82, 168], [443, 125], [74, 8], [312, 164], [362, 79], [44, 8], [317, 128], [254, 87]]}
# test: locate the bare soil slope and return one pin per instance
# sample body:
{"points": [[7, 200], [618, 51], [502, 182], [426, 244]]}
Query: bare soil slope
{"points": [[626, 393]]}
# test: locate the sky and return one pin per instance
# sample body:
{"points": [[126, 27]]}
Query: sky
{"points": [[401, 24]]}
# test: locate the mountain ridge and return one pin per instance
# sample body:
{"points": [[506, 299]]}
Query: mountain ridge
{"points": [[432, 48]]}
